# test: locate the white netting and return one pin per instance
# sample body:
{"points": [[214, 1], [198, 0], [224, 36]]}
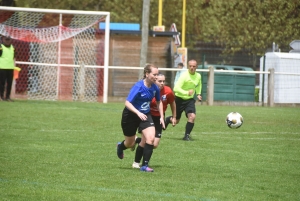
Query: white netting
{"points": [[53, 49], [28, 26]]}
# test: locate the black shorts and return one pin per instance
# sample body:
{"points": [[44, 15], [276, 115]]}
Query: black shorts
{"points": [[158, 126], [130, 122], [184, 105]]}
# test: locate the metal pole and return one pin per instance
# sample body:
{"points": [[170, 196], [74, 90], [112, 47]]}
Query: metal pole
{"points": [[41, 10], [263, 82], [210, 86], [145, 33], [58, 57], [160, 12], [106, 58], [183, 23], [271, 87]]}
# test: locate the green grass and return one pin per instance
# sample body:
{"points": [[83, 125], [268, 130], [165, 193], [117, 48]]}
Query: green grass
{"points": [[67, 151]]}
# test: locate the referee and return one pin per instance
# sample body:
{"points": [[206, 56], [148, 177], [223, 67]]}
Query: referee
{"points": [[185, 89], [7, 64]]}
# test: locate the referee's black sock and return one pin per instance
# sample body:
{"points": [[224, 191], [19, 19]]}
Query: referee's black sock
{"points": [[148, 150], [188, 128]]}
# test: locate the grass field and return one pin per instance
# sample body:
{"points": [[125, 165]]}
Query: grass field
{"points": [[67, 151]]}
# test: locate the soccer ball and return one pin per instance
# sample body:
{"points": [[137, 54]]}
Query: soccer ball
{"points": [[234, 120]]}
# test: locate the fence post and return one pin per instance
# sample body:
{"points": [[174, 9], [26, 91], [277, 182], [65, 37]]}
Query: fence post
{"points": [[271, 87], [262, 90], [210, 85]]}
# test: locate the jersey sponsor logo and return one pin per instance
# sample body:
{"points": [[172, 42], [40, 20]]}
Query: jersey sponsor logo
{"points": [[164, 97], [145, 106], [143, 95]]}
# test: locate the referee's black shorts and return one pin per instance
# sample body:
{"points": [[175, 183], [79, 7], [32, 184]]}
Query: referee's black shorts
{"points": [[188, 106], [130, 122]]}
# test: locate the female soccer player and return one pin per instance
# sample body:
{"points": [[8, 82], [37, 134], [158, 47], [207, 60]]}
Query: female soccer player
{"points": [[167, 98], [136, 115]]}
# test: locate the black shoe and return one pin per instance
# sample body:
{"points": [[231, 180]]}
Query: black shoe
{"points": [[2, 99], [187, 138]]}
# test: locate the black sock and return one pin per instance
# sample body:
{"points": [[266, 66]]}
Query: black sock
{"points": [[138, 140], [167, 121], [188, 128], [122, 145], [139, 154], [148, 150]]}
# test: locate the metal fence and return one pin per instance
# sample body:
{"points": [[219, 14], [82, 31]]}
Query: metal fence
{"points": [[279, 83]]}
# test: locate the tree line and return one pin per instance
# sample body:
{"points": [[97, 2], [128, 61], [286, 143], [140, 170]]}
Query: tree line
{"points": [[234, 24]]}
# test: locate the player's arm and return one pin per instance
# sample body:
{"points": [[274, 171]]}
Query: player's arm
{"points": [[171, 102], [159, 106], [179, 85], [161, 112], [130, 107], [198, 90], [130, 98], [173, 109]]}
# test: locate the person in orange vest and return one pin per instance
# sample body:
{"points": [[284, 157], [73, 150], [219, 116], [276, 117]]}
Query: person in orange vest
{"points": [[7, 65]]}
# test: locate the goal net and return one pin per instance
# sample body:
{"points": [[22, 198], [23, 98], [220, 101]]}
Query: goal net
{"points": [[63, 54]]}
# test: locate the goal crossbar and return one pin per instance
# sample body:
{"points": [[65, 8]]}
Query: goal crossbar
{"points": [[42, 10]]}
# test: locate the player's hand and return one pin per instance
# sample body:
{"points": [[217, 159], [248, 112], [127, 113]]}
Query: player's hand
{"points": [[199, 97], [191, 92], [142, 116], [162, 122], [173, 121]]}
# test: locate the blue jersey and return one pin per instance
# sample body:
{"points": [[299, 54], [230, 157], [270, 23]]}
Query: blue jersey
{"points": [[140, 96]]}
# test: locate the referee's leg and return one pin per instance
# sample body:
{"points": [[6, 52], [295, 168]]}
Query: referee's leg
{"points": [[191, 115]]}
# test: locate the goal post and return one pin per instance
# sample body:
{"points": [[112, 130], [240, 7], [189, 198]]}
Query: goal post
{"points": [[63, 54]]}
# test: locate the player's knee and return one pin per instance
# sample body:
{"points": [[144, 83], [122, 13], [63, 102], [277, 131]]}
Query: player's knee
{"points": [[191, 116], [156, 142], [129, 143], [150, 140], [132, 144]]}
